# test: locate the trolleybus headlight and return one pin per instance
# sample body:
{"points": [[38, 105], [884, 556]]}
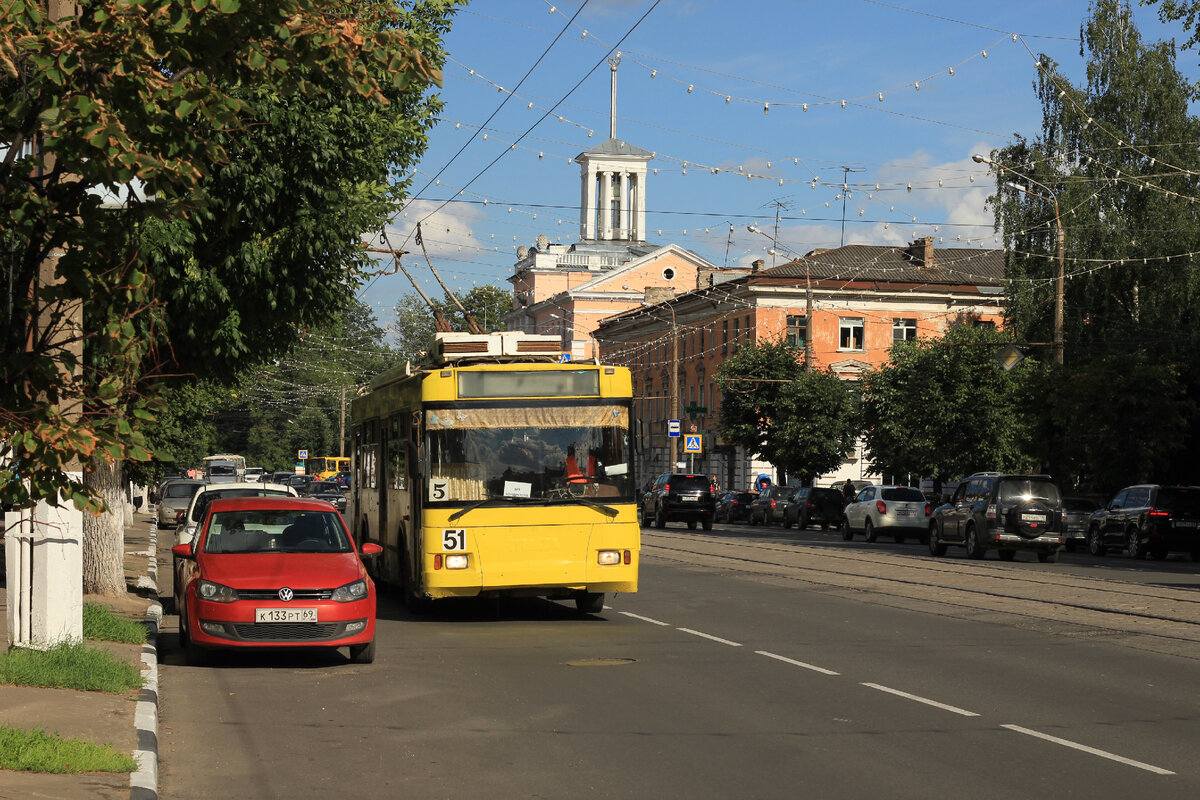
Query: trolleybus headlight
{"points": [[456, 562], [610, 557], [350, 592]]}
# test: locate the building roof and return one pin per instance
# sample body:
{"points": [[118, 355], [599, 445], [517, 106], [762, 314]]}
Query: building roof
{"points": [[616, 147], [954, 266]]}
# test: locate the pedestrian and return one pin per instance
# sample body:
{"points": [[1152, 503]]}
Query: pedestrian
{"points": [[716, 485], [848, 490]]}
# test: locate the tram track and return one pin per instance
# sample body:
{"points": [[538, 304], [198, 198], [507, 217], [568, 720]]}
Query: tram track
{"points": [[962, 586]]}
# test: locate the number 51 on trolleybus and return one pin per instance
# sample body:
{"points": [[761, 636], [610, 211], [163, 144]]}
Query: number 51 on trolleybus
{"points": [[498, 472]]}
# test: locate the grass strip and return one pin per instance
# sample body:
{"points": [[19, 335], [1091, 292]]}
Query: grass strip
{"points": [[38, 751], [70, 665], [100, 622]]}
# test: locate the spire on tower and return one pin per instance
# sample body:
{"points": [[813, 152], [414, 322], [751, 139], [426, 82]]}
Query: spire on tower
{"points": [[612, 102]]}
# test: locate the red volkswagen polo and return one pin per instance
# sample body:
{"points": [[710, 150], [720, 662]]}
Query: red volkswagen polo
{"points": [[274, 572]]}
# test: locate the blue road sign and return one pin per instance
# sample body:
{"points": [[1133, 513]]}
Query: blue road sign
{"points": [[693, 443]]}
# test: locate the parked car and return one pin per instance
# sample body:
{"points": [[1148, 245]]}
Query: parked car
{"points": [[767, 508], [274, 572], [253, 474], [896, 511], [175, 495], [679, 497], [996, 511], [734, 507], [1148, 520], [813, 505], [329, 491], [1079, 512], [193, 515]]}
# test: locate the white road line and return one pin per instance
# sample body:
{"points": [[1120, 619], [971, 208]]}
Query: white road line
{"points": [[787, 660], [709, 636], [1092, 750], [645, 619], [925, 700]]}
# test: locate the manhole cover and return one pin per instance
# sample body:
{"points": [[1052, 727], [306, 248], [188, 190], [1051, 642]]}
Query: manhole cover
{"points": [[601, 662]]}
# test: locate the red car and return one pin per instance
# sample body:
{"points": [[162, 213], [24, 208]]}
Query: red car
{"points": [[274, 572]]}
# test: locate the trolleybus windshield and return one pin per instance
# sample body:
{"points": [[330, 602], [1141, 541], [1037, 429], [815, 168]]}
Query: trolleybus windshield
{"points": [[528, 454]]}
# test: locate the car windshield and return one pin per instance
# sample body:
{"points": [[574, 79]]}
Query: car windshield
{"points": [[276, 531], [1021, 489], [180, 490], [1079, 504], [903, 493], [1179, 500], [528, 454], [325, 486], [201, 505]]}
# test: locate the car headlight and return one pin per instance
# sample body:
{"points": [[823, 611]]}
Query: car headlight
{"points": [[351, 592], [215, 592]]}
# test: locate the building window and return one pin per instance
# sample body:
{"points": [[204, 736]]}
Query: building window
{"points": [[850, 333], [724, 337], [904, 330], [736, 323], [985, 324], [797, 330]]}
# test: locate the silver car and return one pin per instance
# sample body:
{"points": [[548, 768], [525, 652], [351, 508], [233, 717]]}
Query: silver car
{"points": [[176, 496], [898, 511]]}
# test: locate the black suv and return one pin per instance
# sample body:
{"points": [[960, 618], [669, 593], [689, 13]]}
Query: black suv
{"points": [[814, 506], [679, 497], [1148, 520], [995, 511]]}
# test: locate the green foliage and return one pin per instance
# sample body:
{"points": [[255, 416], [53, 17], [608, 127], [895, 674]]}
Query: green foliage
{"points": [[69, 665], [945, 407], [803, 422], [38, 751], [249, 145], [101, 623]]}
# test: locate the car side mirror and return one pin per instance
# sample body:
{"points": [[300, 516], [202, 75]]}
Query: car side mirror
{"points": [[371, 550], [183, 551]]}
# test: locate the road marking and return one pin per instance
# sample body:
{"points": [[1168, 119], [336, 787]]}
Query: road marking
{"points": [[645, 619], [925, 700], [787, 660], [709, 636], [1092, 750]]}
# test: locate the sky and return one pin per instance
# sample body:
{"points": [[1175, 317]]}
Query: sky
{"points": [[777, 114]]}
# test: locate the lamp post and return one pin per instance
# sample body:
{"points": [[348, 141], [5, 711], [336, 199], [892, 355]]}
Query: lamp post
{"points": [[1060, 236]]}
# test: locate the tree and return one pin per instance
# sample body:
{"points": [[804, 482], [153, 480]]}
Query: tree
{"points": [[803, 422], [138, 149], [414, 325], [945, 407]]}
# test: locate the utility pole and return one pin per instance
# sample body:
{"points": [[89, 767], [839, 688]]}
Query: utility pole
{"points": [[342, 428], [674, 440]]}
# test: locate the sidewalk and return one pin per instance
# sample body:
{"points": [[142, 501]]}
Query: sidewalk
{"points": [[102, 718]]}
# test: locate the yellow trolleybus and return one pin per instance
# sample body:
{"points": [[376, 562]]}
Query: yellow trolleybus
{"points": [[499, 472], [325, 467]]}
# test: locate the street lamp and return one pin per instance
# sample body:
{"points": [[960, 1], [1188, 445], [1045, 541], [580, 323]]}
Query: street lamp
{"points": [[1061, 238]]}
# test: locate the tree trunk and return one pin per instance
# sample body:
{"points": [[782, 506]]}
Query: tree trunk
{"points": [[104, 536]]}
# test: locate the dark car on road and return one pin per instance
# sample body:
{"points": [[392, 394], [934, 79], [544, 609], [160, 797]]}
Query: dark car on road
{"points": [[767, 508], [1148, 520], [997, 511], [813, 505], [329, 491], [679, 497], [734, 506], [1079, 512]]}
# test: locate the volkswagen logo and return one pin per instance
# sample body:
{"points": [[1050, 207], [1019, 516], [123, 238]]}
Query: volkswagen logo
{"points": [[285, 594]]}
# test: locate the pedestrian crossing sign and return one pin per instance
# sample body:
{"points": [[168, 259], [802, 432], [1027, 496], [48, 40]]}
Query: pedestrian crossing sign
{"points": [[693, 443]]}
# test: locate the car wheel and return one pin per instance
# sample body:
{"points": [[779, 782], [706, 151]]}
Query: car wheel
{"points": [[1133, 541], [869, 531], [802, 522], [362, 653], [1008, 555], [707, 524], [660, 519], [787, 521], [589, 602], [769, 519], [1048, 558], [1159, 553], [936, 548], [195, 655], [847, 534], [973, 549], [1095, 546], [691, 524]]}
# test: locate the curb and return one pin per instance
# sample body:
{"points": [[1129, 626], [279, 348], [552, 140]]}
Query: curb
{"points": [[143, 783]]}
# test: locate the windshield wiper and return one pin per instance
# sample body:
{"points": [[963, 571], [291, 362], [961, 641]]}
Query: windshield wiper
{"points": [[478, 504], [609, 511]]}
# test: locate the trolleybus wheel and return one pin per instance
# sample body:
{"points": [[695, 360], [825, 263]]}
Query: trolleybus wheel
{"points": [[589, 602]]}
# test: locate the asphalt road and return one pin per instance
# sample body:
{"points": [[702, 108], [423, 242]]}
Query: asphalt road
{"points": [[752, 663]]}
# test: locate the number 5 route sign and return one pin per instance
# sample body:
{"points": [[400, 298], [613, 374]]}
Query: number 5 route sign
{"points": [[693, 443]]}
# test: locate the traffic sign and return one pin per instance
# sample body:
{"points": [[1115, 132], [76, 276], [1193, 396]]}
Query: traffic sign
{"points": [[302, 455], [693, 443], [673, 428]]}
